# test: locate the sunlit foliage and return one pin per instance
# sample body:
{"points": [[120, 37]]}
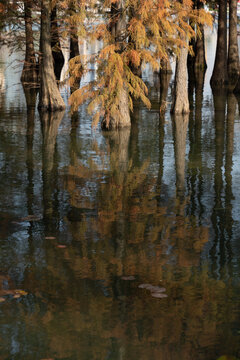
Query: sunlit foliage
{"points": [[152, 31]]}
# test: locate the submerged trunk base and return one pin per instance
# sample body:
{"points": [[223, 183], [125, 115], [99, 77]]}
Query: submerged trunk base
{"points": [[122, 117]]}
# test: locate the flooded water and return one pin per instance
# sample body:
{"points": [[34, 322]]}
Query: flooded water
{"points": [[119, 246]]}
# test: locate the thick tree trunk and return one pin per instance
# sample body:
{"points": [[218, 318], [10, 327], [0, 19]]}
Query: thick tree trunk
{"points": [[118, 29], [30, 71], [58, 58], [181, 104], [122, 117], [49, 98], [219, 77]]}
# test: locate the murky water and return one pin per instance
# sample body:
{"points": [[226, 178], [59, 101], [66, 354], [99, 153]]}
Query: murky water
{"points": [[88, 219]]}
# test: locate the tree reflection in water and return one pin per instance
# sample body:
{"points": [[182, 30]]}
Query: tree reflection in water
{"points": [[121, 223]]}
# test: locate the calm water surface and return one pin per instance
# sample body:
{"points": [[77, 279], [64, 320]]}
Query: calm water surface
{"points": [[88, 218]]}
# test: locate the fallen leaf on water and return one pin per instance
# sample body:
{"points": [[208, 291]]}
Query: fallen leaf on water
{"points": [[50, 237], [156, 289], [16, 296], [2, 299], [144, 286], [21, 292], [128, 277], [61, 246], [31, 218], [158, 295]]}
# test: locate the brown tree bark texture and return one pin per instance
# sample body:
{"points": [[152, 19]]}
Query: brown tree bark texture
{"points": [[233, 57], [122, 119], [29, 72], [219, 76], [49, 98], [181, 103]]}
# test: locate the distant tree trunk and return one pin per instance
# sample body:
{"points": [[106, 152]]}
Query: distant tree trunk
{"points": [[76, 67], [118, 29], [200, 63], [30, 71], [219, 76], [164, 84], [233, 56], [137, 70], [165, 66], [49, 98], [197, 61], [181, 104], [58, 58]]}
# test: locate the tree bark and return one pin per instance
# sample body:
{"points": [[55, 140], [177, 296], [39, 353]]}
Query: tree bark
{"points": [[118, 30], [233, 56], [165, 67], [74, 53], [122, 118], [165, 78], [181, 104], [30, 71], [219, 77], [58, 58], [200, 63], [49, 98]]}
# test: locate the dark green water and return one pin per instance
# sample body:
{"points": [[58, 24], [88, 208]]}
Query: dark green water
{"points": [[86, 218]]}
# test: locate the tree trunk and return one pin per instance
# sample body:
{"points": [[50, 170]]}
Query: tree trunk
{"points": [[77, 70], [165, 78], [165, 66], [233, 57], [118, 30], [200, 63], [181, 104], [122, 118], [30, 71], [136, 70], [49, 98], [219, 77], [58, 58]]}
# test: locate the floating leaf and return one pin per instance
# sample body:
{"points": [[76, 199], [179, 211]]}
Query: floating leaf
{"points": [[61, 246], [158, 295], [50, 237], [130, 277], [156, 289], [144, 286], [2, 299], [21, 292], [16, 296], [31, 218]]}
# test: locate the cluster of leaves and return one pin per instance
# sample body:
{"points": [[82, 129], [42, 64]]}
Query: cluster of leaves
{"points": [[147, 37]]}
